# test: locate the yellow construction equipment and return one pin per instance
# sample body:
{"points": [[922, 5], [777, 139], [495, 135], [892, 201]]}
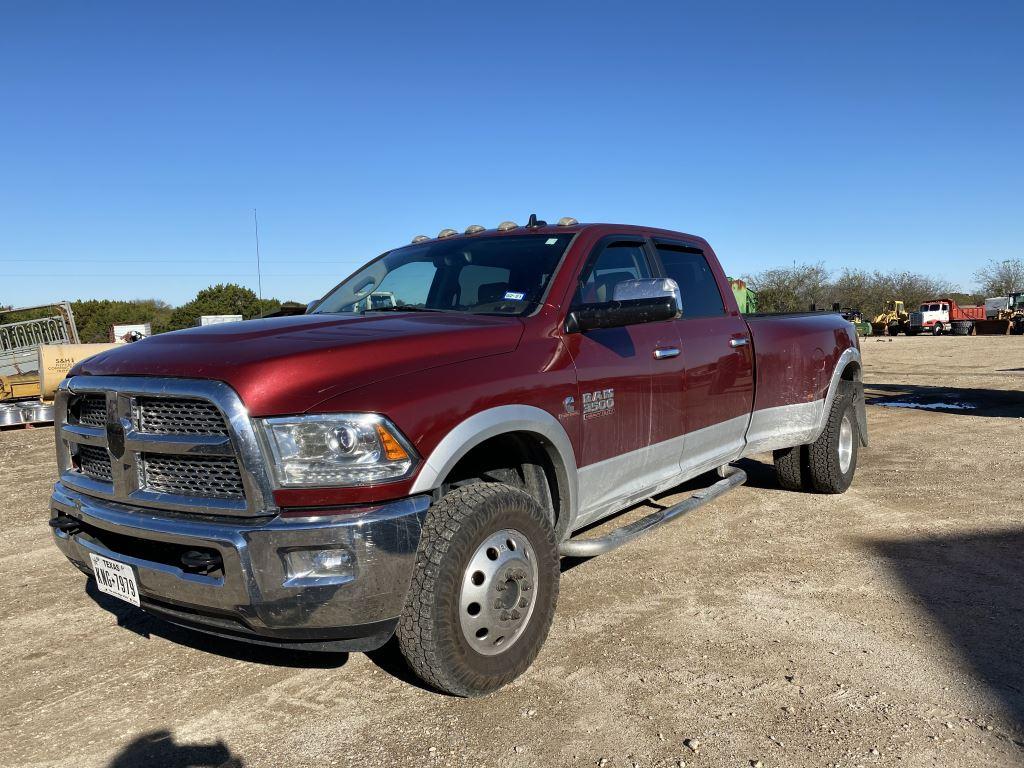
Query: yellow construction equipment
{"points": [[893, 320]]}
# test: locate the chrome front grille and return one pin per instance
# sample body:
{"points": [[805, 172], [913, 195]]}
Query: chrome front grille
{"points": [[95, 462], [202, 476], [92, 410], [178, 416], [173, 444]]}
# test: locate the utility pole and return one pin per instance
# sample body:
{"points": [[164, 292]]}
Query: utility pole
{"points": [[259, 274]]}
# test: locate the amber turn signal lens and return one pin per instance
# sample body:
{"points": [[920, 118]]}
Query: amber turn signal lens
{"points": [[392, 449]]}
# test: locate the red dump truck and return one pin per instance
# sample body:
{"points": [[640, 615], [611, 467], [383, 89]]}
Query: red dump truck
{"points": [[944, 316], [418, 466]]}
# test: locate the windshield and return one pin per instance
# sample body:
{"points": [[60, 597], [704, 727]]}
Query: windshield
{"points": [[504, 275]]}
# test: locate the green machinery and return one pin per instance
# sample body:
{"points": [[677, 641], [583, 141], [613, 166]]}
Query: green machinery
{"points": [[746, 298]]}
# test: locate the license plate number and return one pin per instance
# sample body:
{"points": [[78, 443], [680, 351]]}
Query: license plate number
{"points": [[114, 578]]}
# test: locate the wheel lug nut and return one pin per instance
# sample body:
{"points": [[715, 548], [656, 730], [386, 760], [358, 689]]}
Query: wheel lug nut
{"points": [[515, 614], [497, 604], [504, 615], [527, 587], [522, 603], [500, 586]]}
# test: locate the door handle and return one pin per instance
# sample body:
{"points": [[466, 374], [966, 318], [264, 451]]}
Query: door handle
{"points": [[739, 342], [663, 353]]}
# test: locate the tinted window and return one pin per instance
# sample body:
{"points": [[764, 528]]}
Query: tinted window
{"points": [[690, 269], [616, 262], [482, 285]]}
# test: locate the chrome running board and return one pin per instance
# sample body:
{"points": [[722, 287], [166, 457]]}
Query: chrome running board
{"points": [[733, 477]]}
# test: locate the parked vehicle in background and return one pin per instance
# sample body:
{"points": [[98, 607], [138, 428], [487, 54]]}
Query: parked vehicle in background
{"points": [[941, 316], [418, 467], [218, 319], [125, 333], [746, 299], [892, 320], [1003, 315], [856, 317]]}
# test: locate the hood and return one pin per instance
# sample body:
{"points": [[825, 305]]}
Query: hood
{"points": [[288, 365]]}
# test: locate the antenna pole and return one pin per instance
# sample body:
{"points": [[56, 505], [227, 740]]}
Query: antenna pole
{"points": [[259, 274]]}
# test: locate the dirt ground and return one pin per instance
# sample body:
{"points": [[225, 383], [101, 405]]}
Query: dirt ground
{"points": [[881, 627]]}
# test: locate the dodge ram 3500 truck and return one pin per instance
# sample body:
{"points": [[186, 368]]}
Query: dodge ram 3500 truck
{"points": [[417, 466]]}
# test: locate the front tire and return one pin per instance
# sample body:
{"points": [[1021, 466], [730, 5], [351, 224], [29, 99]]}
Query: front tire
{"points": [[483, 592], [832, 458]]}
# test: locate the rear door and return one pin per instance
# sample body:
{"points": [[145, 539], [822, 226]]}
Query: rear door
{"points": [[718, 381], [623, 387]]}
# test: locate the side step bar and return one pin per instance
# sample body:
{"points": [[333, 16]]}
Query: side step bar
{"points": [[733, 477]]}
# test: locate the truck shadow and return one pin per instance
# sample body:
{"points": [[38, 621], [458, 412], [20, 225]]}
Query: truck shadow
{"points": [[973, 587], [158, 749], [145, 625], [963, 402]]}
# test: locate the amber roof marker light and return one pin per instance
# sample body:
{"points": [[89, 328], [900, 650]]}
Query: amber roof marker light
{"points": [[507, 226], [566, 221]]}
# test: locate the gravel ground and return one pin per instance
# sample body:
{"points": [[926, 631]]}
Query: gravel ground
{"points": [[883, 626]]}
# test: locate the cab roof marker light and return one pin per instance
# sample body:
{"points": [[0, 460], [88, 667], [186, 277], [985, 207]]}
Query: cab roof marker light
{"points": [[446, 233], [420, 239], [506, 226], [472, 229], [567, 221]]}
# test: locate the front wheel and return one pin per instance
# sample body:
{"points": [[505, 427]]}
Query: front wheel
{"points": [[937, 329], [483, 592]]}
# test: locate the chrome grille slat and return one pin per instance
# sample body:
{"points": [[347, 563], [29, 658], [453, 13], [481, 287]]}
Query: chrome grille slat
{"points": [[92, 410], [95, 463], [202, 476], [178, 416]]}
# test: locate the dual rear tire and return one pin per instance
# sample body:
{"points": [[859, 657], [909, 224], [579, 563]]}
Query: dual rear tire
{"points": [[829, 463]]}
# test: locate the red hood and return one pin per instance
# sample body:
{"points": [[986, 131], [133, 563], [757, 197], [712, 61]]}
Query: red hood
{"points": [[288, 365]]}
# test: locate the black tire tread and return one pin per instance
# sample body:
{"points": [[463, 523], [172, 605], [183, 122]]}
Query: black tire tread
{"points": [[822, 458], [416, 631], [790, 466]]}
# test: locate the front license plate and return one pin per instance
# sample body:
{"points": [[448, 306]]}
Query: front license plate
{"points": [[114, 578]]}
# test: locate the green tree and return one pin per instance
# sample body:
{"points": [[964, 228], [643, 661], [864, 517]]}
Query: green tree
{"points": [[1001, 278], [791, 289], [222, 299], [94, 317]]}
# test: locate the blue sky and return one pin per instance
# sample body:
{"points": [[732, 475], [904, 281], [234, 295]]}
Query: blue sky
{"points": [[135, 139]]}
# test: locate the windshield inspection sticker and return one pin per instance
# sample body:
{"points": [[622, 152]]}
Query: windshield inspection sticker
{"points": [[551, 241], [514, 296]]}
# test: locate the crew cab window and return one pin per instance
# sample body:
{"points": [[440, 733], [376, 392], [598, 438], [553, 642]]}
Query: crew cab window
{"points": [[616, 263], [690, 269]]}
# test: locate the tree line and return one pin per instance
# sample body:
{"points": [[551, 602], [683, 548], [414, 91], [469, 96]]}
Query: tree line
{"points": [[94, 317], [796, 288]]}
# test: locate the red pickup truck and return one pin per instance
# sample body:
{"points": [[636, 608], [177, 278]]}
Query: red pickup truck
{"points": [[414, 454]]}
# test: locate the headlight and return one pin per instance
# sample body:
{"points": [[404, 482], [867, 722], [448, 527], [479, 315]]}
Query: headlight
{"points": [[336, 449]]}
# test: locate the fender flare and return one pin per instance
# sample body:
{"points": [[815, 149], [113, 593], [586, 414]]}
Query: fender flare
{"points": [[500, 420], [850, 355]]}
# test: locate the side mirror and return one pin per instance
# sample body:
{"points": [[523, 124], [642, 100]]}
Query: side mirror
{"points": [[312, 305], [633, 301]]}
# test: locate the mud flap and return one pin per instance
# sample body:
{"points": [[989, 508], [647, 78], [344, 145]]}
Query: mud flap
{"points": [[858, 404]]}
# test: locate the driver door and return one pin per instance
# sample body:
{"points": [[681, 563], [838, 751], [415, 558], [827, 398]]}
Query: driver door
{"points": [[630, 389]]}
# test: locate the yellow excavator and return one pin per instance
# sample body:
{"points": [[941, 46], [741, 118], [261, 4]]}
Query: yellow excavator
{"points": [[892, 321]]}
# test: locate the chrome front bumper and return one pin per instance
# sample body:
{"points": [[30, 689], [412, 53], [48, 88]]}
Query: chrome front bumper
{"points": [[252, 596]]}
